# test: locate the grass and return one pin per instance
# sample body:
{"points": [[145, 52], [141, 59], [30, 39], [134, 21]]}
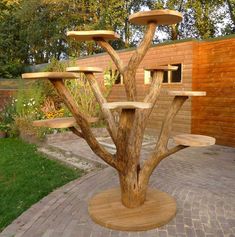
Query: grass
{"points": [[25, 177]]}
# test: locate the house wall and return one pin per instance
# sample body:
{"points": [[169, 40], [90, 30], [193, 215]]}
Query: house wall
{"points": [[181, 52], [214, 72]]}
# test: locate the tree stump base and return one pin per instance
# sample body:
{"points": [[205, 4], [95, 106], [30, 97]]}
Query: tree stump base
{"points": [[107, 210]]}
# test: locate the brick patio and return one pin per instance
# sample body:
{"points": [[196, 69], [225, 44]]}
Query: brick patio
{"points": [[201, 180]]}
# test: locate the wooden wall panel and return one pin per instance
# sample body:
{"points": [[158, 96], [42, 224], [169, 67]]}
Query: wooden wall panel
{"points": [[208, 66], [214, 72], [163, 54]]}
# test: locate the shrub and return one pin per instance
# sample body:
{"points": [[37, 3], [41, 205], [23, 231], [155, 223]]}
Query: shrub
{"points": [[39, 100]]}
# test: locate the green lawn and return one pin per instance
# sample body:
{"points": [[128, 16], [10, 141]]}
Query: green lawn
{"points": [[25, 177]]}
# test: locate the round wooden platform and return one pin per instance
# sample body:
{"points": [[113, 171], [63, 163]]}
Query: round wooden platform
{"points": [[84, 69], [187, 93], [50, 75], [161, 17], [161, 68], [55, 123], [93, 34], [107, 210], [127, 105], [194, 140]]}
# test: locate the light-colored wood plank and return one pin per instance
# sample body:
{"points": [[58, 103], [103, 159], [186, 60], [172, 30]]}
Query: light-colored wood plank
{"points": [[84, 69], [50, 75], [59, 122], [193, 140], [161, 68], [127, 105], [93, 34], [187, 93], [161, 17], [107, 210]]}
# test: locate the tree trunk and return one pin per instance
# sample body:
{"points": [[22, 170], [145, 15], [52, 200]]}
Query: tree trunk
{"points": [[133, 193]]}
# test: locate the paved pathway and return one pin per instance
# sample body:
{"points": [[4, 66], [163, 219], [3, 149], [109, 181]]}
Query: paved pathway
{"points": [[201, 180]]}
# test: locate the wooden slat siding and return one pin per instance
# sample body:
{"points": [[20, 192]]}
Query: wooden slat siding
{"points": [[165, 54], [214, 72]]}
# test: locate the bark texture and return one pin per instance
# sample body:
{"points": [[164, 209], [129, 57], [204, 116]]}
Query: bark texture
{"points": [[128, 135]]}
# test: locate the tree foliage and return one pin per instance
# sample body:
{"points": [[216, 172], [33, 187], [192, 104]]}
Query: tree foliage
{"points": [[201, 18], [34, 31]]}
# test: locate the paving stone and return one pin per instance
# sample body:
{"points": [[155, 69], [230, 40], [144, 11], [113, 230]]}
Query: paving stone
{"points": [[188, 221], [162, 233], [171, 230], [190, 232], [202, 184], [200, 233], [180, 229]]}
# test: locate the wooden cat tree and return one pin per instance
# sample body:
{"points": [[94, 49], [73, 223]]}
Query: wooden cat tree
{"points": [[132, 206]]}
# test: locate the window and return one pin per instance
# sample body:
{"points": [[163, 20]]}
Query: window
{"points": [[113, 77], [168, 77], [174, 76]]}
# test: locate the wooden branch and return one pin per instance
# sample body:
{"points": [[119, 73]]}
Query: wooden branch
{"points": [[155, 87], [139, 124], [154, 160], [83, 124], [142, 49], [123, 137], [161, 150], [113, 54], [167, 122], [135, 60], [112, 128], [76, 132]]}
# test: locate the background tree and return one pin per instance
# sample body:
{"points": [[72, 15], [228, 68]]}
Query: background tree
{"points": [[34, 31], [230, 26], [12, 50]]}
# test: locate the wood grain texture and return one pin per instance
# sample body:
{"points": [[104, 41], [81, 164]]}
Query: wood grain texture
{"points": [[83, 123], [187, 93], [214, 73], [127, 105], [161, 68], [160, 17], [84, 69], [59, 122], [161, 151], [129, 74], [160, 55], [55, 123], [112, 53], [193, 140], [91, 35], [112, 128], [50, 75], [106, 209]]}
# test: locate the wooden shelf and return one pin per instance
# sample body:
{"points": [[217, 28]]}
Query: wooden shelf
{"points": [[84, 69], [60, 122], [193, 140], [127, 105], [161, 17], [50, 75], [161, 68], [55, 123], [187, 93], [93, 34]]}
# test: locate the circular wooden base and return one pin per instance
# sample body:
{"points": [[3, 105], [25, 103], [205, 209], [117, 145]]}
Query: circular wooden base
{"points": [[107, 210]]}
